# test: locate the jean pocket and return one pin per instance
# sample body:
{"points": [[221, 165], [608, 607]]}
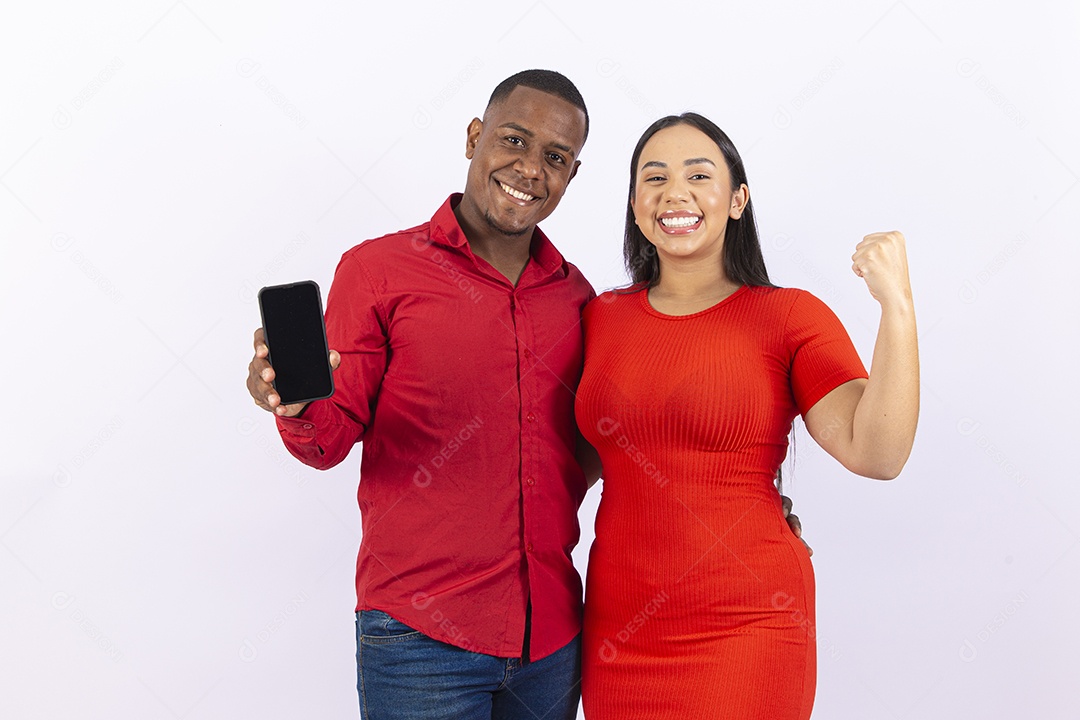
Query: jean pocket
{"points": [[378, 628]]}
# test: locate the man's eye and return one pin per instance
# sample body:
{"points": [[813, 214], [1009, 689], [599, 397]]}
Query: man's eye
{"points": [[555, 157], [514, 140]]}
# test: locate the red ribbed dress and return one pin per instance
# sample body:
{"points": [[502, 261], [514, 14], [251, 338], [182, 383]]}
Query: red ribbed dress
{"points": [[699, 601]]}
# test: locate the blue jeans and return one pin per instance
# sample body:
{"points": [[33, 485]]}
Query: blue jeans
{"points": [[403, 674]]}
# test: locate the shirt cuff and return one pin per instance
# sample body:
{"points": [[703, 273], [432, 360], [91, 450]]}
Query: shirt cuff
{"points": [[303, 426]]}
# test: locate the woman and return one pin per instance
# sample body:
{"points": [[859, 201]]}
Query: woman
{"points": [[699, 600]]}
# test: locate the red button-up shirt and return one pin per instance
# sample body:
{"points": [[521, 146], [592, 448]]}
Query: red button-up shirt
{"points": [[461, 387]]}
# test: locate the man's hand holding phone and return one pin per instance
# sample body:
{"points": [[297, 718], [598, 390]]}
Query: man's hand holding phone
{"points": [[261, 377], [293, 364]]}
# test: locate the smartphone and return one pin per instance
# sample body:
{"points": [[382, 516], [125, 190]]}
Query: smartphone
{"points": [[292, 320]]}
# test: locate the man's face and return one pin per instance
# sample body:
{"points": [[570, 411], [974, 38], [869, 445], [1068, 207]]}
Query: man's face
{"points": [[523, 156]]}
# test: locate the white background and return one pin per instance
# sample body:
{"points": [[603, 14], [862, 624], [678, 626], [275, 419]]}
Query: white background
{"points": [[161, 556]]}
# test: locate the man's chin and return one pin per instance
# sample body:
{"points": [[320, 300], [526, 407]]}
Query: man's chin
{"points": [[504, 230]]}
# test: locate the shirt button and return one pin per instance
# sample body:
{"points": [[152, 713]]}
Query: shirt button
{"points": [[307, 426], [530, 481], [528, 547], [528, 354], [530, 417]]}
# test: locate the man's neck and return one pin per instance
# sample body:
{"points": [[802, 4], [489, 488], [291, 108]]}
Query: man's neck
{"points": [[507, 254]]}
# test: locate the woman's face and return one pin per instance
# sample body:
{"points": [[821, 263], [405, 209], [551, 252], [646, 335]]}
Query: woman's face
{"points": [[683, 196]]}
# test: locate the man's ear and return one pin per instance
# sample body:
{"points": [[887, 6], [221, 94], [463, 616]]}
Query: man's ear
{"points": [[472, 136], [573, 172]]}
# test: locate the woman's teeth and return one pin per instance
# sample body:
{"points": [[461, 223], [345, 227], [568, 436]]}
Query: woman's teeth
{"points": [[679, 222]]}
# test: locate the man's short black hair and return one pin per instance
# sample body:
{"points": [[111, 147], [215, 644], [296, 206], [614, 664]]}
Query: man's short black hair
{"points": [[548, 81]]}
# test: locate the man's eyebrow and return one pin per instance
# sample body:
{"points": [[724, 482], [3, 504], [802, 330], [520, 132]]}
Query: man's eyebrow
{"points": [[514, 126]]}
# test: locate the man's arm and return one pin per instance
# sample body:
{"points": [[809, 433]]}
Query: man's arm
{"points": [[588, 459], [299, 423], [321, 433]]}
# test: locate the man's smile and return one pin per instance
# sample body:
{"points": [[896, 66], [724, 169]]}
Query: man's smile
{"points": [[516, 194]]}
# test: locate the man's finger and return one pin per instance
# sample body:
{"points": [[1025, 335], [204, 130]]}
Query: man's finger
{"points": [[786, 502], [261, 350], [796, 526]]}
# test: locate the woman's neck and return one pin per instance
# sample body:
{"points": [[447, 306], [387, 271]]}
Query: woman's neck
{"points": [[686, 288]]}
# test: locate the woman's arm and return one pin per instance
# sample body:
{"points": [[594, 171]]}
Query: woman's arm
{"points": [[869, 425]]}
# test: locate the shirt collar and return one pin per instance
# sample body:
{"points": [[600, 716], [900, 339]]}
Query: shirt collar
{"points": [[445, 228]]}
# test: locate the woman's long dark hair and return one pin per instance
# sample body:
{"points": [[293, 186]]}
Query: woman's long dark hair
{"points": [[743, 262]]}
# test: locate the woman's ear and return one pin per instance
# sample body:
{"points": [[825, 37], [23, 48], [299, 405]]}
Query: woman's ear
{"points": [[739, 199]]}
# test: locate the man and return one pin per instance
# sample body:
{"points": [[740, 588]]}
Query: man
{"points": [[457, 349]]}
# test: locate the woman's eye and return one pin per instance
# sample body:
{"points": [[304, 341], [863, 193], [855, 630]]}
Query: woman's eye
{"points": [[699, 176]]}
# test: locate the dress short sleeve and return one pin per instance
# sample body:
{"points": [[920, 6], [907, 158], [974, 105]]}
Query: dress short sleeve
{"points": [[822, 354]]}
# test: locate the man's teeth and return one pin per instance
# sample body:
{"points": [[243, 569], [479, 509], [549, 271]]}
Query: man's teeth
{"points": [[514, 193], [678, 222]]}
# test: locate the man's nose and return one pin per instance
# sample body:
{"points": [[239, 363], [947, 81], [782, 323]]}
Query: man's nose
{"points": [[529, 164]]}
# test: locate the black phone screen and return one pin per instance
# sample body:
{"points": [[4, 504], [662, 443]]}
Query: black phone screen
{"points": [[292, 319]]}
